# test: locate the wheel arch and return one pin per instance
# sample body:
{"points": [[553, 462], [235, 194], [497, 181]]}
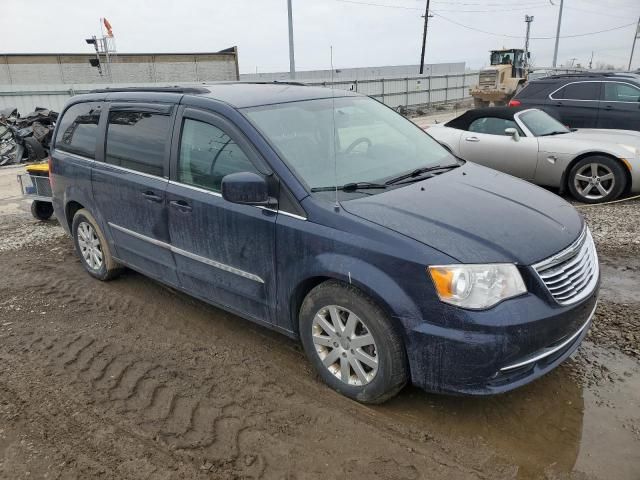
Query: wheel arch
{"points": [[564, 181], [70, 210]]}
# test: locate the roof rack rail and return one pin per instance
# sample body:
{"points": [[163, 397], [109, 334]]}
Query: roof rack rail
{"points": [[259, 82], [175, 89]]}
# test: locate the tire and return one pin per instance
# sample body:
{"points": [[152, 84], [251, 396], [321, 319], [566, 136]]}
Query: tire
{"points": [[371, 382], [596, 179], [85, 230], [41, 210], [35, 150]]}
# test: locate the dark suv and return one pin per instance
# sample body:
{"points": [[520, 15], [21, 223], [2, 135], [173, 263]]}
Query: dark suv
{"points": [[605, 100], [327, 216]]}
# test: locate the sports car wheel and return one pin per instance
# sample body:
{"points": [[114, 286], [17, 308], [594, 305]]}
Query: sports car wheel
{"points": [[597, 179]]}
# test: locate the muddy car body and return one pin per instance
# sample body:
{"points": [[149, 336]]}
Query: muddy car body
{"points": [[455, 277]]}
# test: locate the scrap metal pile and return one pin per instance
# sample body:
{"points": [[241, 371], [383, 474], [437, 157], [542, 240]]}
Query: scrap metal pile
{"points": [[25, 139]]}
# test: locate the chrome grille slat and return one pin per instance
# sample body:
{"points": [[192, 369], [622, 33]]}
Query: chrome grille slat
{"points": [[565, 267], [572, 274], [571, 278]]}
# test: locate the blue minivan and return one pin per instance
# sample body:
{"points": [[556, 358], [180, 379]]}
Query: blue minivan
{"points": [[327, 216]]}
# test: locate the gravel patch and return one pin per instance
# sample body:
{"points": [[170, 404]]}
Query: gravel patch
{"points": [[615, 228], [20, 231]]}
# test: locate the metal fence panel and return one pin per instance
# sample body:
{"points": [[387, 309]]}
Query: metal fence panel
{"points": [[410, 91]]}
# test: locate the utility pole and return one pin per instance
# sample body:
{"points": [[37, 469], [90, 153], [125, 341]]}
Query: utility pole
{"points": [[555, 51], [633, 46], [528, 19], [292, 62], [424, 37], [591, 60]]}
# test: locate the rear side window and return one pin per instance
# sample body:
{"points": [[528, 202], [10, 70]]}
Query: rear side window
{"points": [[137, 140], [207, 154], [78, 129], [534, 90], [492, 125], [579, 91], [621, 92]]}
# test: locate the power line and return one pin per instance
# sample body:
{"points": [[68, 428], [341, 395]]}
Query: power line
{"points": [[532, 38], [402, 7], [596, 13], [436, 12]]}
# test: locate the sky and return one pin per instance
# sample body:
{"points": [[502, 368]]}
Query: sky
{"points": [[362, 34]]}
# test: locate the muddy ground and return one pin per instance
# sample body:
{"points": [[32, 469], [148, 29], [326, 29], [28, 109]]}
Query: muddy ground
{"points": [[129, 379]]}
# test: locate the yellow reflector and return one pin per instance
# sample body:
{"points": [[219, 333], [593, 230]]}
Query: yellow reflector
{"points": [[627, 163], [442, 280]]}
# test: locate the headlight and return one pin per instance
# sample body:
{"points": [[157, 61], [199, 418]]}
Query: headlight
{"points": [[477, 286]]}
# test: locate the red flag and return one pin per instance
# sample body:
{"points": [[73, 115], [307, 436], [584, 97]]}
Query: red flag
{"points": [[107, 25]]}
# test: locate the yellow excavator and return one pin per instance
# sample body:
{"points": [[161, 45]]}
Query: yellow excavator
{"points": [[502, 80]]}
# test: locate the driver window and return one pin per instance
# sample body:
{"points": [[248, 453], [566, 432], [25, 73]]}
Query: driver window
{"points": [[492, 125], [621, 92], [207, 154]]}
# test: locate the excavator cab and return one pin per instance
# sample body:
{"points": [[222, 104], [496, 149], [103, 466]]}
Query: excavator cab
{"points": [[513, 57]]}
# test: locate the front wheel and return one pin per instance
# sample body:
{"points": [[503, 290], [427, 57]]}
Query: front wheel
{"points": [[597, 179], [352, 344]]}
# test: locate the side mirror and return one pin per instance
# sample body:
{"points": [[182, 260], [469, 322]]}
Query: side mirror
{"points": [[246, 188], [513, 133]]}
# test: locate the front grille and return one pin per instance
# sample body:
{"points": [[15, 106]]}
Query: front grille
{"points": [[572, 274], [488, 78]]}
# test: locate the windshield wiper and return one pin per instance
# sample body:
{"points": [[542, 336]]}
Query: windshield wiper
{"points": [[557, 132], [418, 172], [350, 187]]}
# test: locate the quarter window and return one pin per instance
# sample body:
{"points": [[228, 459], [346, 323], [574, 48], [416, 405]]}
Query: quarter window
{"points": [[78, 129], [137, 140], [492, 125], [621, 92], [579, 91], [207, 154]]}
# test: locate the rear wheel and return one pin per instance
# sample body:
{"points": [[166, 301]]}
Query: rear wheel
{"points": [[352, 344], [597, 179], [92, 247]]}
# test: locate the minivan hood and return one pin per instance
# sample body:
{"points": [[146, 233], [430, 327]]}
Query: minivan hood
{"points": [[476, 215]]}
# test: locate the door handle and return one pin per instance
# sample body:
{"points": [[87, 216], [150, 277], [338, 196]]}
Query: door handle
{"points": [[608, 107], [472, 139], [181, 205], [152, 197]]}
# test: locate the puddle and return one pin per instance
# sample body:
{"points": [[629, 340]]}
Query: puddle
{"points": [[551, 428]]}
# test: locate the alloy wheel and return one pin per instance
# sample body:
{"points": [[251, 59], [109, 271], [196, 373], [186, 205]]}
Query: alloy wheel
{"points": [[594, 181], [89, 244], [345, 345]]}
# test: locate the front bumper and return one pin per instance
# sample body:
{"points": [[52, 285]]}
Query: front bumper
{"points": [[500, 349]]}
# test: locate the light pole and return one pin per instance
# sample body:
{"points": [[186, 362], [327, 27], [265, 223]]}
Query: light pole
{"points": [[555, 50], [528, 19], [292, 62], [633, 46]]}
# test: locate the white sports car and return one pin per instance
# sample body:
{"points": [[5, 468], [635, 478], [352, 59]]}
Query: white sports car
{"points": [[594, 165]]}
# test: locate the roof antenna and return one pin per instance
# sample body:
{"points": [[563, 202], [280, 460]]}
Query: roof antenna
{"points": [[336, 207]]}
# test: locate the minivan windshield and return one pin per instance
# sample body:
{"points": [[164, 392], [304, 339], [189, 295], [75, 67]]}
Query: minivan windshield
{"points": [[542, 124], [351, 141]]}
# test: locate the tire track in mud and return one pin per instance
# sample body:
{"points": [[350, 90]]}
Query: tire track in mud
{"points": [[214, 404], [198, 425]]}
